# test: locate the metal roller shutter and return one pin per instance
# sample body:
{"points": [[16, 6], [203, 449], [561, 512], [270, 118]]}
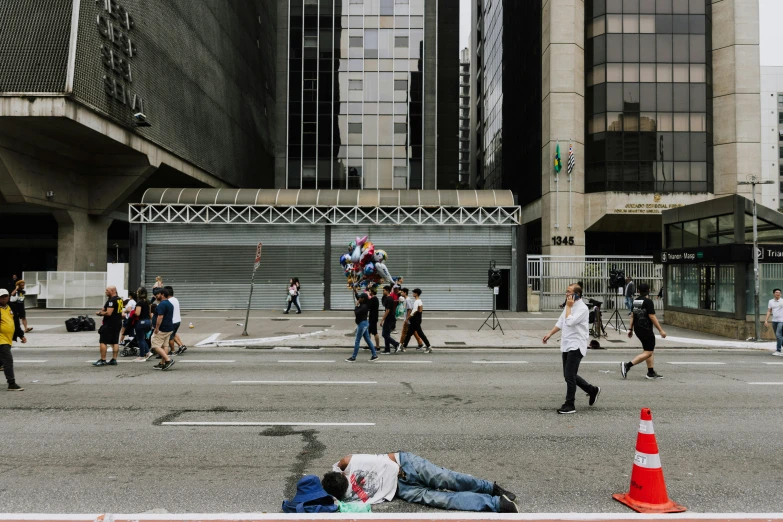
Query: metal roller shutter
{"points": [[209, 266], [449, 264]]}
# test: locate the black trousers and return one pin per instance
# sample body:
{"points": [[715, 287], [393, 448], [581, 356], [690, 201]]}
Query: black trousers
{"points": [[415, 327], [7, 362], [571, 362], [388, 328]]}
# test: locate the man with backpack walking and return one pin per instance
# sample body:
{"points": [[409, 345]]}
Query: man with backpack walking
{"points": [[642, 322]]}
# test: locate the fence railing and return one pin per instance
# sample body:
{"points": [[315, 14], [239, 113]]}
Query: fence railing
{"points": [[550, 276], [68, 289]]}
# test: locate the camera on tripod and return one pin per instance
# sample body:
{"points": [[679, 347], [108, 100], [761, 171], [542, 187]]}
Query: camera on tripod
{"points": [[616, 278], [494, 279]]}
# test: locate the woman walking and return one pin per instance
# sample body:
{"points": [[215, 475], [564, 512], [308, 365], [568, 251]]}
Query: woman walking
{"points": [[414, 326], [142, 325], [293, 295]]}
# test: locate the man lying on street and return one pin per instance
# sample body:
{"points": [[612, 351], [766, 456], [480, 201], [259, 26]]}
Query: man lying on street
{"points": [[375, 478]]}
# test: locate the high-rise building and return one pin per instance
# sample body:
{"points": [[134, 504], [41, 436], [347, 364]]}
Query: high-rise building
{"points": [[657, 100], [100, 100], [464, 115], [367, 98], [772, 135]]}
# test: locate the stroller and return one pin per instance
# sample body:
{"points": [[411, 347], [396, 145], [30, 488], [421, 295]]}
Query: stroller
{"points": [[130, 348]]}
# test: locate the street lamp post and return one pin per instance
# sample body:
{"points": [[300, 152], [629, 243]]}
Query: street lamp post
{"points": [[753, 181]]}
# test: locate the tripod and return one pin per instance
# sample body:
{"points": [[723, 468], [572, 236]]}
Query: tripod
{"points": [[617, 320], [495, 323]]}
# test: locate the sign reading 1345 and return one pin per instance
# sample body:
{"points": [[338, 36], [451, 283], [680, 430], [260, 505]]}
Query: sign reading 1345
{"points": [[563, 240]]}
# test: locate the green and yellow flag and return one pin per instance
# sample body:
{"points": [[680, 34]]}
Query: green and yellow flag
{"points": [[558, 163]]}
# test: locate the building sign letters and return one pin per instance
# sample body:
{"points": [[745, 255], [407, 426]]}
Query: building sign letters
{"points": [[115, 24], [646, 208]]}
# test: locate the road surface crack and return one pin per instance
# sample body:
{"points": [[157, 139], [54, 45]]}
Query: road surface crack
{"points": [[313, 450]]}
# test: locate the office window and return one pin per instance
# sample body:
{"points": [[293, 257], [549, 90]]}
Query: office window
{"points": [[355, 85], [354, 128], [400, 128], [400, 41], [400, 85], [356, 41]]}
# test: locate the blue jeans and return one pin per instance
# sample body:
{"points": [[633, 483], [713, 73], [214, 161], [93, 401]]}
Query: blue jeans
{"points": [[361, 331], [422, 481], [142, 328], [778, 329], [629, 303]]}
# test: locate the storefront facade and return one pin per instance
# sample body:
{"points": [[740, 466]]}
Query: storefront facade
{"points": [[202, 242], [708, 265]]}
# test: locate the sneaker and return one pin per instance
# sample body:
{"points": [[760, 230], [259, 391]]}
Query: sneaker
{"points": [[182, 349], [654, 376], [779, 354], [159, 366], [285, 313], [385, 352], [147, 357], [374, 358], [624, 369], [428, 349], [402, 349], [419, 347], [113, 362], [297, 313], [168, 365], [594, 396], [396, 349], [100, 362], [351, 359], [140, 359], [498, 491], [565, 409], [507, 505], [15, 387]]}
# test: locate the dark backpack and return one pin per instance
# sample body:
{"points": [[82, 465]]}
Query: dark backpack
{"points": [[310, 498]]}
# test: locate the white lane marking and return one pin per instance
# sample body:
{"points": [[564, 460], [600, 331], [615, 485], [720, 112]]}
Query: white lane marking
{"points": [[777, 363], [405, 362], [600, 362], [209, 340], [304, 361], [240, 423], [180, 359], [264, 340], [727, 344], [304, 382], [499, 362], [706, 363], [767, 383], [29, 361]]}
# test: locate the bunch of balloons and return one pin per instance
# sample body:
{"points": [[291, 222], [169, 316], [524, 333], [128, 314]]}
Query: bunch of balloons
{"points": [[364, 265]]}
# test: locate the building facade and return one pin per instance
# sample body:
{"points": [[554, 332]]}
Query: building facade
{"points": [[772, 135], [101, 100], [657, 99], [464, 116], [368, 99]]}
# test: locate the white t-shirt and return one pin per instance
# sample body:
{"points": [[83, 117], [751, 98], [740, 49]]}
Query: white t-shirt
{"points": [[777, 310], [131, 306], [177, 318], [371, 478], [576, 329], [416, 305]]}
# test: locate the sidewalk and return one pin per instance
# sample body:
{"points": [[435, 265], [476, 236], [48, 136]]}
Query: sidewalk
{"points": [[385, 517], [332, 329]]}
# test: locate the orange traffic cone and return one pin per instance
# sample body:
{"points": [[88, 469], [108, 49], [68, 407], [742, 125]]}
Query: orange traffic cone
{"points": [[648, 489]]}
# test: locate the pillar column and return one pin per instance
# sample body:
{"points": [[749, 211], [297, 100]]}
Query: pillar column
{"points": [[81, 241], [736, 96], [563, 109]]}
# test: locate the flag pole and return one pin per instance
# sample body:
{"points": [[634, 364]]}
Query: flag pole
{"points": [[570, 206], [557, 195]]}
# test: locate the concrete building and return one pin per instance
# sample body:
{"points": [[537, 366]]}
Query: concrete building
{"points": [[464, 116], [101, 100], [658, 98], [368, 94], [772, 135]]}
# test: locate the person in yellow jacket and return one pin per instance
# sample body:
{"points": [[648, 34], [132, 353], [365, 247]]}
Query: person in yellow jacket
{"points": [[10, 330]]}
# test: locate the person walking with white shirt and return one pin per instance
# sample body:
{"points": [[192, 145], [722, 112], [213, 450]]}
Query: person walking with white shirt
{"points": [[775, 309], [414, 320], [574, 322], [175, 341]]}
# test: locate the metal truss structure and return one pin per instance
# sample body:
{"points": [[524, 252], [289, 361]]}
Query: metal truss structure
{"points": [[312, 215]]}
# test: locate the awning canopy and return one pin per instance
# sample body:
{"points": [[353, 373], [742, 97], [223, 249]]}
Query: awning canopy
{"points": [[329, 198]]}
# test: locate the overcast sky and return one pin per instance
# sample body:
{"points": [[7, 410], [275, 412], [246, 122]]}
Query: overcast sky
{"points": [[771, 14]]}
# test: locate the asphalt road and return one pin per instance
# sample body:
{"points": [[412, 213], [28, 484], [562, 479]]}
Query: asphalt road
{"points": [[81, 439]]}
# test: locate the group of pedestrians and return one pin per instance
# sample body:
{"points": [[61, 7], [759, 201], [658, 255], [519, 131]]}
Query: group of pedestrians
{"points": [[397, 304], [154, 325]]}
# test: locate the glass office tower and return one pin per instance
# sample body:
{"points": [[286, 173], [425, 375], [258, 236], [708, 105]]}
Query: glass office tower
{"points": [[648, 96], [355, 94]]}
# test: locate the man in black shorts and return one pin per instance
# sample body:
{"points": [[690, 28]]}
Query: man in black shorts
{"points": [[110, 329], [642, 321]]}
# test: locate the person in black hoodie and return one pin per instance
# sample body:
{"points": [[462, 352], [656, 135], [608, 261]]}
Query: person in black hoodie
{"points": [[361, 311], [10, 330]]}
